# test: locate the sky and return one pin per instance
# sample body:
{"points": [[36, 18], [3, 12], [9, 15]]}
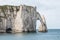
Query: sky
{"points": [[49, 8]]}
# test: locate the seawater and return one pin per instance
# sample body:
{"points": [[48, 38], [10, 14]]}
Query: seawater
{"points": [[52, 34]]}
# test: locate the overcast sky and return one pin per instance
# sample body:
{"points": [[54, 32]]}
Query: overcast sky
{"points": [[49, 8]]}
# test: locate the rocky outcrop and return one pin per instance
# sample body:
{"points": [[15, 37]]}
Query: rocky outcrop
{"points": [[26, 19], [18, 18], [7, 17], [43, 26]]}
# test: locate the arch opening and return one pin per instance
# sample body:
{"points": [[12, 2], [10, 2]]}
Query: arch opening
{"points": [[37, 24]]}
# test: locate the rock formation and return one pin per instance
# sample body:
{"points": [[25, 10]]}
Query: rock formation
{"points": [[19, 18], [43, 27], [7, 17], [26, 19]]}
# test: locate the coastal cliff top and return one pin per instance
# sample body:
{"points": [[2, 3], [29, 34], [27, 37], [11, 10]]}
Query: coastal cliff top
{"points": [[5, 7]]}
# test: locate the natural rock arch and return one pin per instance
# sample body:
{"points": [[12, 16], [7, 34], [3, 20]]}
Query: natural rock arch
{"points": [[43, 26], [20, 18], [27, 20]]}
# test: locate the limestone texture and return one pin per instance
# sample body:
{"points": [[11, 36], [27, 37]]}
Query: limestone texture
{"points": [[19, 18], [43, 26]]}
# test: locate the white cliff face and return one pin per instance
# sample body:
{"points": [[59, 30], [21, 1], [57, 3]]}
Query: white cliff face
{"points": [[18, 21], [20, 18], [25, 19], [28, 18], [2, 22], [43, 27]]}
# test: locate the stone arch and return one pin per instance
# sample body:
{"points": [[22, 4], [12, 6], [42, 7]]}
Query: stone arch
{"points": [[42, 27]]}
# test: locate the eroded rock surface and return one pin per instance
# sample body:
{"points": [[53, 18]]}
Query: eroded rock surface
{"points": [[43, 26], [19, 18]]}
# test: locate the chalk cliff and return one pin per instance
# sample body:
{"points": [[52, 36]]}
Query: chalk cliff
{"points": [[19, 18], [43, 26], [26, 19]]}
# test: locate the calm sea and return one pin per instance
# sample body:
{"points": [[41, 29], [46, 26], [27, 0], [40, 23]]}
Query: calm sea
{"points": [[52, 34]]}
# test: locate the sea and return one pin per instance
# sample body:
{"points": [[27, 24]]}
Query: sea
{"points": [[52, 34]]}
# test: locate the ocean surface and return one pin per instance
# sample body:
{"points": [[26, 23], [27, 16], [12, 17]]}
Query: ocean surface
{"points": [[52, 34]]}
